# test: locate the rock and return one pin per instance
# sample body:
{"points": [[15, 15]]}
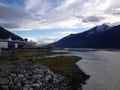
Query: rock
{"points": [[37, 76], [39, 82], [25, 88], [30, 88], [27, 76], [21, 76], [47, 77], [13, 75], [35, 86]]}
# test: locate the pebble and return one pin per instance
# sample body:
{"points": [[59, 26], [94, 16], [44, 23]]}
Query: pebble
{"points": [[27, 76], [35, 85]]}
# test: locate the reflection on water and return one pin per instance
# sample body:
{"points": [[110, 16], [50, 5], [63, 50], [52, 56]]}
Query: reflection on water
{"points": [[102, 65]]}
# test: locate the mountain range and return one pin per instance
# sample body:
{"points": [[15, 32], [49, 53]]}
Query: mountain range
{"points": [[5, 34], [102, 36]]}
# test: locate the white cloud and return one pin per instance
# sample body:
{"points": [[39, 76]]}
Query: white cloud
{"points": [[67, 33], [49, 14], [66, 4], [47, 40], [42, 41], [31, 4]]}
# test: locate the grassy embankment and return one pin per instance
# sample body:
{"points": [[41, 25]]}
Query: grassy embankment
{"points": [[61, 64], [7, 55]]}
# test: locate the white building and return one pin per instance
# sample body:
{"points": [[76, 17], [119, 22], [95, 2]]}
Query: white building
{"points": [[10, 44], [3, 43]]}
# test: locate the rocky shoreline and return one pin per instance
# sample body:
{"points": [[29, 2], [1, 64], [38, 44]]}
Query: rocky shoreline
{"points": [[33, 76], [76, 80]]}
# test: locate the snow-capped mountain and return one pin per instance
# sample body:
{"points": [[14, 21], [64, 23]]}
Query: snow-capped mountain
{"points": [[103, 27], [102, 36], [98, 29]]}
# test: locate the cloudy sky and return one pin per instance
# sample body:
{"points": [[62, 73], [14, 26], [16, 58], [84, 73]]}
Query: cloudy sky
{"points": [[45, 21]]}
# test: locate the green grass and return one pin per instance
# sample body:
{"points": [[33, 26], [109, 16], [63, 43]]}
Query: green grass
{"points": [[61, 64], [26, 53], [5, 55], [29, 53]]}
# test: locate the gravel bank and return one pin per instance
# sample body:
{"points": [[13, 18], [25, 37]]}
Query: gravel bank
{"points": [[32, 76]]}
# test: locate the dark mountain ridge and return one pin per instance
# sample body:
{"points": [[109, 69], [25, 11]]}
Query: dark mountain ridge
{"points": [[4, 34], [102, 36]]}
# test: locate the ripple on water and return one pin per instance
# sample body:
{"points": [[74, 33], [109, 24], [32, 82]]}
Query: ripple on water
{"points": [[103, 66]]}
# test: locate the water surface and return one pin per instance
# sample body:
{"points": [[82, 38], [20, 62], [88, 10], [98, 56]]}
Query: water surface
{"points": [[103, 66]]}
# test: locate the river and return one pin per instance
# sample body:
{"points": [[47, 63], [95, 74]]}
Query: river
{"points": [[103, 66]]}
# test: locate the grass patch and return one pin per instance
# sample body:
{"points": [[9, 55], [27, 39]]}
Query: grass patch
{"points": [[5, 55], [27, 53], [60, 64]]}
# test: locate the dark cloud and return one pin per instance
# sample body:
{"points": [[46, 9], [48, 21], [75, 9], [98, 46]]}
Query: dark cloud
{"points": [[11, 17], [9, 25], [91, 19], [10, 13], [116, 13], [31, 14]]}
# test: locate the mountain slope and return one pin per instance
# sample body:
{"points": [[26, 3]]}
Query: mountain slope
{"points": [[102, 36], [4, 34]]}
